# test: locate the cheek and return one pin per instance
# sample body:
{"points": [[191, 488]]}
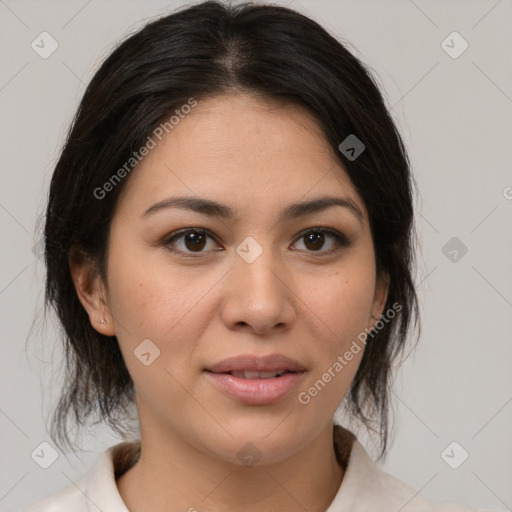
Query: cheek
{"points": [[341, 300], [148, 305], [340, 314], [169, 305], [144, 301], [146, 294]]}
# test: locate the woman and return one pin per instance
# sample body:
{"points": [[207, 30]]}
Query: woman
{"points": [[229, 245]]}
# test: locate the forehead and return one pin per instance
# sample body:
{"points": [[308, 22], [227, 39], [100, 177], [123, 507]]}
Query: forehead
{"points": [[244, 149]]}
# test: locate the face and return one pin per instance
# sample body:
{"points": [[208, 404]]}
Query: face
{"points": [[263, 284]]}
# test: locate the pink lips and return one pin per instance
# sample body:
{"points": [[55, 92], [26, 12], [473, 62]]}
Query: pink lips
{"points": [[256, 390], [249, 362]]}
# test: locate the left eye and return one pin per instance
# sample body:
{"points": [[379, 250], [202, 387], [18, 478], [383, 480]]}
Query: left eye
{"points": [[315, 240]]}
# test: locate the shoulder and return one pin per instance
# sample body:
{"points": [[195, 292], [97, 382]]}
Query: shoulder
{"points": [[70, 498], [97, 489], [367, 487]]}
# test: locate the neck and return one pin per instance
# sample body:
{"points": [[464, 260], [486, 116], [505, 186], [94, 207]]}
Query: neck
{"points": [[192, 480]]}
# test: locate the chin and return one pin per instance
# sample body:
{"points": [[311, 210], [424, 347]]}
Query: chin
{"points": [[258, 443]]}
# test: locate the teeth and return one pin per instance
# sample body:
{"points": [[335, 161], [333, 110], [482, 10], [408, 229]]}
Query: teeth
{"points": [[256, 375], [269, 375]]}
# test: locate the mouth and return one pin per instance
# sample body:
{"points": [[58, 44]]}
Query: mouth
{"points": [[250, 375], [254, 380], [252, 366], [256, 388]]}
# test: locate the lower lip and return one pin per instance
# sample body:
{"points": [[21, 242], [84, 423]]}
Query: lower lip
{"points": [[256, 391]]}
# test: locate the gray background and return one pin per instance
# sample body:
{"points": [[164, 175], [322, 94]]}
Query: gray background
{"points": [[454, 115]]}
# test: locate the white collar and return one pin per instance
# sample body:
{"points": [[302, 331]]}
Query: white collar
{"points": [[364, 488]]}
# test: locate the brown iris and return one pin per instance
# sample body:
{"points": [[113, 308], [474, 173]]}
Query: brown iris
{"points": [[195, 240], [316, 241]]}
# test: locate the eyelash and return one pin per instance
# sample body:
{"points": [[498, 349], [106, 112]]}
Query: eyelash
{"points": [[341, 241]]}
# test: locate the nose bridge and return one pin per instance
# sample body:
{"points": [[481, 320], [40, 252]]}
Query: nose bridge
{"points": [[256, 264], [257, 296]]}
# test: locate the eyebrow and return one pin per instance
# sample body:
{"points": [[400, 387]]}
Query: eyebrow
{"points": [[215, 209]]}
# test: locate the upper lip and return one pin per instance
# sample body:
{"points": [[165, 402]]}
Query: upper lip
{"points": [[249, 362]]}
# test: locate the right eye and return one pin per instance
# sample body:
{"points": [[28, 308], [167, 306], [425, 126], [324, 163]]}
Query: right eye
{"points": [[187, 242]]}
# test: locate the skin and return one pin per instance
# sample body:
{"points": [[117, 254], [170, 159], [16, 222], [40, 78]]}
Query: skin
{"points": [[257, 157]]}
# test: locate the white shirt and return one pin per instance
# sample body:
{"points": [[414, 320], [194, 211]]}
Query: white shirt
{"points": [[364, 488]]}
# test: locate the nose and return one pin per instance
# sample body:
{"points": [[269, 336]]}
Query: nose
{"points": [[259, 295]]}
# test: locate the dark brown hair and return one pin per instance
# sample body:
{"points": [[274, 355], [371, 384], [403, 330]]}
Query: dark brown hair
{"points": [[201, 51]]}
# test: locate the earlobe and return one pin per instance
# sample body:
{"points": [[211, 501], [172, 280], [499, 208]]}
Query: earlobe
{"points": [[379, 299], [91, 292]]}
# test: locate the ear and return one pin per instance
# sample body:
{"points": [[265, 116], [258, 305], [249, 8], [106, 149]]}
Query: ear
{"points": [[91, 292], [380, 297]]}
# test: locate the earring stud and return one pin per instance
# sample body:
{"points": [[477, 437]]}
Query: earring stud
{"points": [[102, 321]]}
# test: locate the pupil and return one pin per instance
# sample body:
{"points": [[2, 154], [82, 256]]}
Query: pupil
{"points": [[315, 238], [197, 240]]}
